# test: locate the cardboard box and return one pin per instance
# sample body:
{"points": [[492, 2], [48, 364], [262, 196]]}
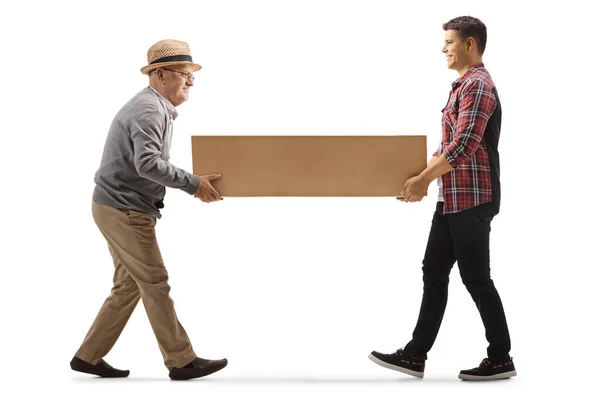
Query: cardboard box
{"points": [[309, 165]]}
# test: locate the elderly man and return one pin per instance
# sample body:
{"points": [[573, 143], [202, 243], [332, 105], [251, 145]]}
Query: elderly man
{"points": [[129, 192]]}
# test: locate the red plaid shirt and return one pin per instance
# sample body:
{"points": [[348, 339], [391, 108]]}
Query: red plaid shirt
{"points": [[472, 101]]}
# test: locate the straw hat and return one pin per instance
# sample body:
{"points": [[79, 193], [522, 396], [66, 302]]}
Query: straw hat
{"points": [[169, 52]]}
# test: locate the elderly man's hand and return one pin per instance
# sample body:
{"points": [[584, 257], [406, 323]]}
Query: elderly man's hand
{"points": [[413, 190], [206, 192]]}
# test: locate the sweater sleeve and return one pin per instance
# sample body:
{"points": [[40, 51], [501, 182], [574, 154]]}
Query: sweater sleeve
{"points": [[147, 135]]}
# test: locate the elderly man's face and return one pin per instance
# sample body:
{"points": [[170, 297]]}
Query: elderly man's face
{"points": [[177, 82]]}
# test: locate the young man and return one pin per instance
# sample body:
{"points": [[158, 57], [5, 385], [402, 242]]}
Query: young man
{"points": [[130, 187], [467, 168]]}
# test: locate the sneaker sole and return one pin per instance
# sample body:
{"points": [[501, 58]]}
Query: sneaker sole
{"points": [[504, 375], [395, 367]]}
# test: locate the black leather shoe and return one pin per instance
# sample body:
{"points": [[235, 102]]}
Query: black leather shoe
{"points": [[197, 369], [102, 369]]}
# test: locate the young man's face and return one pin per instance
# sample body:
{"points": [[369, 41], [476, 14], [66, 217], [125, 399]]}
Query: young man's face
{"points": [[455, 49]]}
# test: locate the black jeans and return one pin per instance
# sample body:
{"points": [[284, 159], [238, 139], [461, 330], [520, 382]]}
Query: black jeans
{"points": [[462, 237]]}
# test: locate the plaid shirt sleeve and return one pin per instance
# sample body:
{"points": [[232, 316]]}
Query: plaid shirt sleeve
{"points": [[477, 103]]}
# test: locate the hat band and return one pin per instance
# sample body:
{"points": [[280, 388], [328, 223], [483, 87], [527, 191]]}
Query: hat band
{"points": [[172, 58]]}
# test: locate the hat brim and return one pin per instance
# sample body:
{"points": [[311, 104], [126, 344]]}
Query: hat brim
{"points": [[145, 70]]}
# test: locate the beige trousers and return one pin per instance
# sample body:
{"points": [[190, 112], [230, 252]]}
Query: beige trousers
{"points": [[139, 272]]}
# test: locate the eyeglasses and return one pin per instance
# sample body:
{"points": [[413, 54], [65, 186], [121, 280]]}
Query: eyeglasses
{"points": [[187, 75]]}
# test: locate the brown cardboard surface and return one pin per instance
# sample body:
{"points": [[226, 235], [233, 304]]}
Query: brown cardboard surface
{"points": [[309, 165]]}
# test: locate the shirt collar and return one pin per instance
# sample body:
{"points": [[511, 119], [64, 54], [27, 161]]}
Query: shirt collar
{"points": [[166, 103], [463, 78]]}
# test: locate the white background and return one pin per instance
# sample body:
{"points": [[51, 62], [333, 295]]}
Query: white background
{"points": [[296, 292]]}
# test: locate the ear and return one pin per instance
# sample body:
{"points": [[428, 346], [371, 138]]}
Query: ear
{"points": [[160, 75], [470, 43]]}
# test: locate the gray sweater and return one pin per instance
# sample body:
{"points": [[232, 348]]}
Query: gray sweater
{"points": [[135, 167]]}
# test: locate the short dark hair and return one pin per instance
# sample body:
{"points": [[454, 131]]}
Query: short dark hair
{"points": [[469, 27]]}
